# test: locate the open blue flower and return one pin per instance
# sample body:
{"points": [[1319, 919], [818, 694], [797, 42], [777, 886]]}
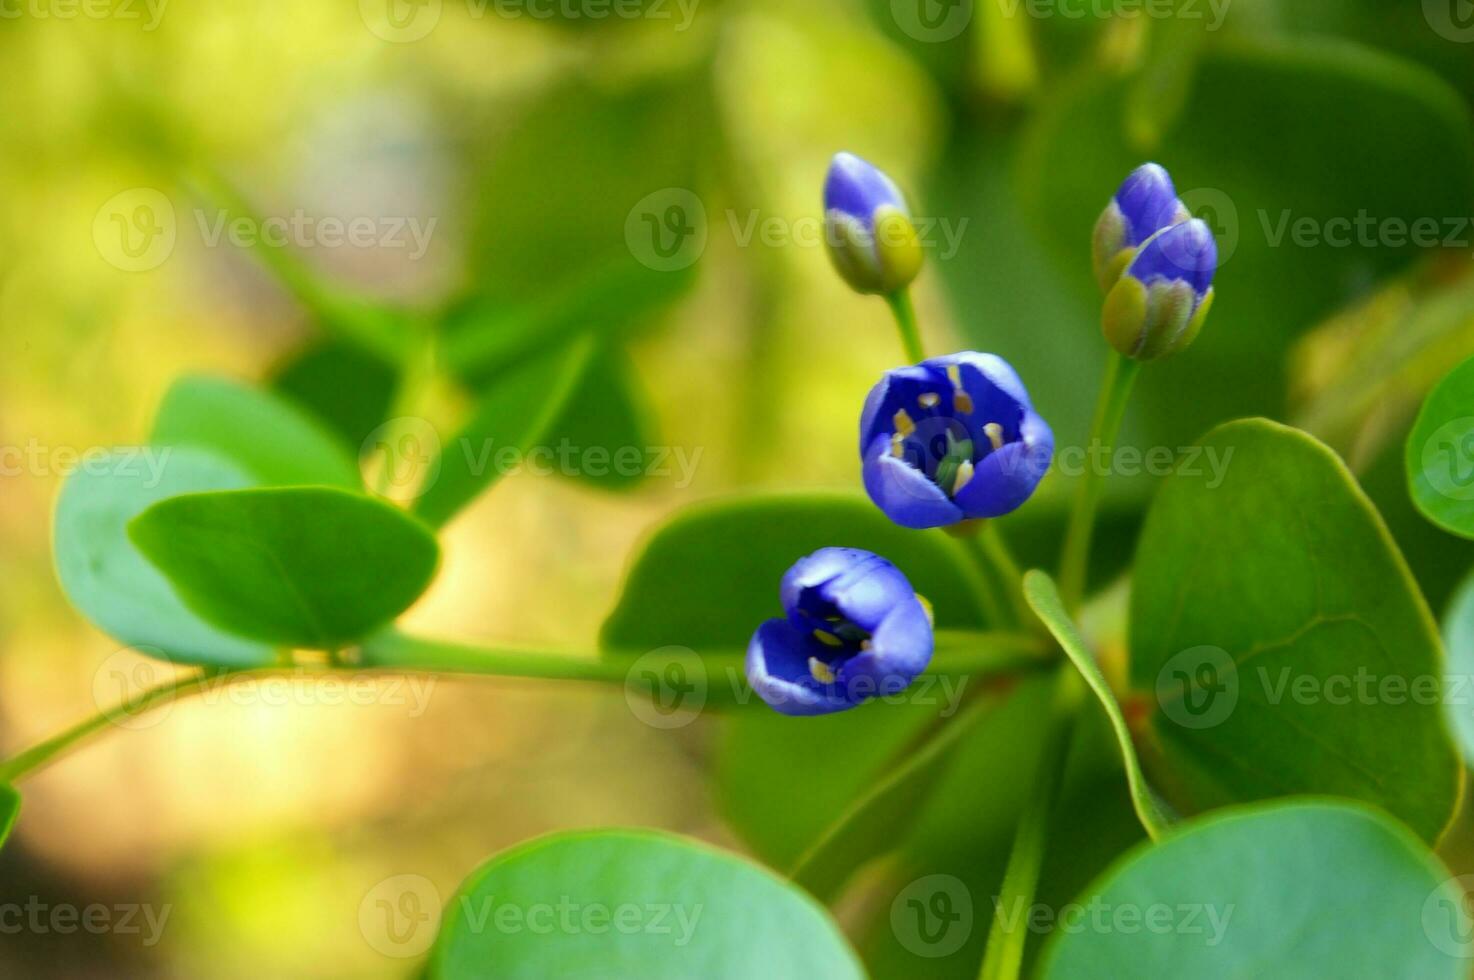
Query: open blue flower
{"points": [[1159, 304], [854, 630], [868, 228], [1144, 204], [951, 439]]}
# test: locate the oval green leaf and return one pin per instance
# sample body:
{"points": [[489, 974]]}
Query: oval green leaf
{"points": [[1279, 640], [1300, 889], [111, 583], [300, 567], [267, 436], [9, 810], [638, 905], [1458, 640], [1440, 453]]}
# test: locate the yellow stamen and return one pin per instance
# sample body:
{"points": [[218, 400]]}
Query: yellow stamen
{"points": [[928, 400], [903, 422], [898, 443], [962, 402], [954, 375], [820, 671], [964, 474], [828, 639], [994, 432], [866, 644]]}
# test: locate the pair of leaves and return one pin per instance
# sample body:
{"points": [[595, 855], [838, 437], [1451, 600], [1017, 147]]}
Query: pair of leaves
{"points": [[193, 549]]}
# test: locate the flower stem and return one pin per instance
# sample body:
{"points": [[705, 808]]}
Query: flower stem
{"points": [[900, 304], [1115, 391], [990, 552], [1009, 933]]}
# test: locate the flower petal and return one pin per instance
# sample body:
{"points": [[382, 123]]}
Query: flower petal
{"points": [[778, 670], [857, 188], [1009, 476], [902, 492], [1148, 202], [900, 649], [1186, 251]]}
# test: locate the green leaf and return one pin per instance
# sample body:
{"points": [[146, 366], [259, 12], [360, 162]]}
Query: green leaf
{"points": [[1440, 453], [1280, 641], [1458, 640], [302, 567], [709, 577], [1301, 889], [616, 904], [608, 420], [272, 439], [514, 414], [9, 810], [111, 583], [1044, 599], [349, 389]]}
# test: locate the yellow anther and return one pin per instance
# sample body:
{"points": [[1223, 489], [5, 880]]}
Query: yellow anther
{"points": [[954, 375], [820, 671], [866, 644], [964, 474], [828, 639], [994, 432], [928, 400], [903, 422], [962, 402], [898, 445]]}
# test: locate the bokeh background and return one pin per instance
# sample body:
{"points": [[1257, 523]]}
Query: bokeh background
{"points": [[532, 145]]}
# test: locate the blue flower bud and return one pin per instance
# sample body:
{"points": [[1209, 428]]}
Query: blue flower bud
{"points": [[854, 629], [1144, 205], [868, 228], [951, 439], [1158, 305]]}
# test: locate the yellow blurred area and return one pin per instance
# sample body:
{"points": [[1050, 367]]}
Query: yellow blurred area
{"points": [[263, 821]]}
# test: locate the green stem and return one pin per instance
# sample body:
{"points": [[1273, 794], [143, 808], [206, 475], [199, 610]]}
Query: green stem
{"points": [[1115, 391], [37, 756], [905, 313], [1009, 932]]}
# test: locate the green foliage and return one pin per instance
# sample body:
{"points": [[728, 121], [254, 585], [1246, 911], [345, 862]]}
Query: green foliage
{"points": [[9, 810], [1295, 889], [347, 388], [1458, 640], [268, 437], [299, 567], [718, 915], [1281, 641], [1440, 453], [108, 579]]}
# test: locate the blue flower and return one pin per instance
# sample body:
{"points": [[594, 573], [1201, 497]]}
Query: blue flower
{"points": [[951, 439], [1159, 304], [868, 228], [854, 630], [1144, 205]]}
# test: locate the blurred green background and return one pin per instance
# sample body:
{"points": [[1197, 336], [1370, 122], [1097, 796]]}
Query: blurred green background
{"points": [[536, 147]]}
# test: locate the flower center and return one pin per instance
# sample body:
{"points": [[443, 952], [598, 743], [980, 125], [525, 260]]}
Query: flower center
{"points": [[939, 443], [839, 638]]}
